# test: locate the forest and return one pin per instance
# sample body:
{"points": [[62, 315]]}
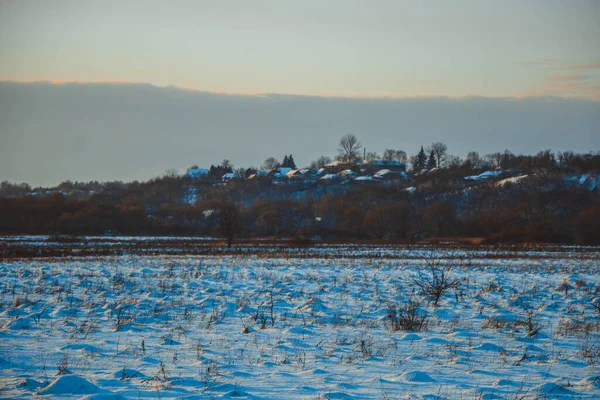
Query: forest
{"points": [[544, 198]]}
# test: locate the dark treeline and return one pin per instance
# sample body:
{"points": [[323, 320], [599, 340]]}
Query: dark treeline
{"points": [[550, 202]]}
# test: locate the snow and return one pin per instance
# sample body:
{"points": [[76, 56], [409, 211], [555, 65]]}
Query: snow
{"points": [[302, 324], [363, 178], [197, 172], [230, 175], [514, 179], [416, 376], [347, 173], [284, 170], [382, 172], [191, 195], [387, 173], [330, 177], [70, 384], [387, 163], [484, 175]]}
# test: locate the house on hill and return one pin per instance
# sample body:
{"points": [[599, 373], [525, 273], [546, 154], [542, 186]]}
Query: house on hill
{"points": [[250, 172], [309, 174], [295, 175], [389, 175], [484, 175], [229, 176], [376, 165], [197, 173], [279, 174], [330, 178], [338, 166], [363, 180], [347, 174]]}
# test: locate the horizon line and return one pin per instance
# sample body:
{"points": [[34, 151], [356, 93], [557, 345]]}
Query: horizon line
{"points": [[524, 96]]}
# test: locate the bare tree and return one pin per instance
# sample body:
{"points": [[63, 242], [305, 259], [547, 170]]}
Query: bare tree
{"points": [[452, 161], [473, 158], [320, 162], [226, 164], [241, 171], [229, 221], [494, 159], [400, 156], [171, 173], [270, 164], [388, 154], [394, 155], [371, 155], [349, 148], [439, 149]]}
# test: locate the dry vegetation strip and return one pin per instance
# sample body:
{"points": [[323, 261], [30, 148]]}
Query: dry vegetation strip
{"points": [[11, 249]]}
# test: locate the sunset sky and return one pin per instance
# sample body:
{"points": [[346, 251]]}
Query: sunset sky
{"points": [[314, 47], [104, 90]]}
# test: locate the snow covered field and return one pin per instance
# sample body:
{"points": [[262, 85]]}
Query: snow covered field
{"points": [[301, 328]]}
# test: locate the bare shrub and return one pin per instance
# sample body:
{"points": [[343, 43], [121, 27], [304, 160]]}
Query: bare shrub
{"points": [[591, 353], [497, 323], [437, 282], [407, 317], [530, 323], [575, 327]]}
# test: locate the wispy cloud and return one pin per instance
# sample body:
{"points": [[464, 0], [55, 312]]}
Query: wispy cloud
{"points": [[560, 65], [544, 62], [566, 78], [577, 67], [567, 85]]}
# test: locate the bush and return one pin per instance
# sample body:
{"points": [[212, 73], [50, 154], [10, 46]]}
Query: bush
{"points": [[408, 317], [438, 282]]}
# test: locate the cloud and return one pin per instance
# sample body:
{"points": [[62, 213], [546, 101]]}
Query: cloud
{"points": [[559, 65], [567, 78], [578, 67], [106, 131], [544, 62], [572, 85]]}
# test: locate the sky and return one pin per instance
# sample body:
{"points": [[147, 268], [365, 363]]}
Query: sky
{"points": [[387, 56]]}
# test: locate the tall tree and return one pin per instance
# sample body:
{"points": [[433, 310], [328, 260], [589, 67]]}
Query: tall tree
{"points": [[371, 155], [420, 160], [388, 154], [349, 148], [226, 165], [431, 163], [494, 159], [394, 155], [229, 221], [473, 159], [270, 164], [439, 149], [320, 162], [451, 161], [289, 162], [400, 156]]}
